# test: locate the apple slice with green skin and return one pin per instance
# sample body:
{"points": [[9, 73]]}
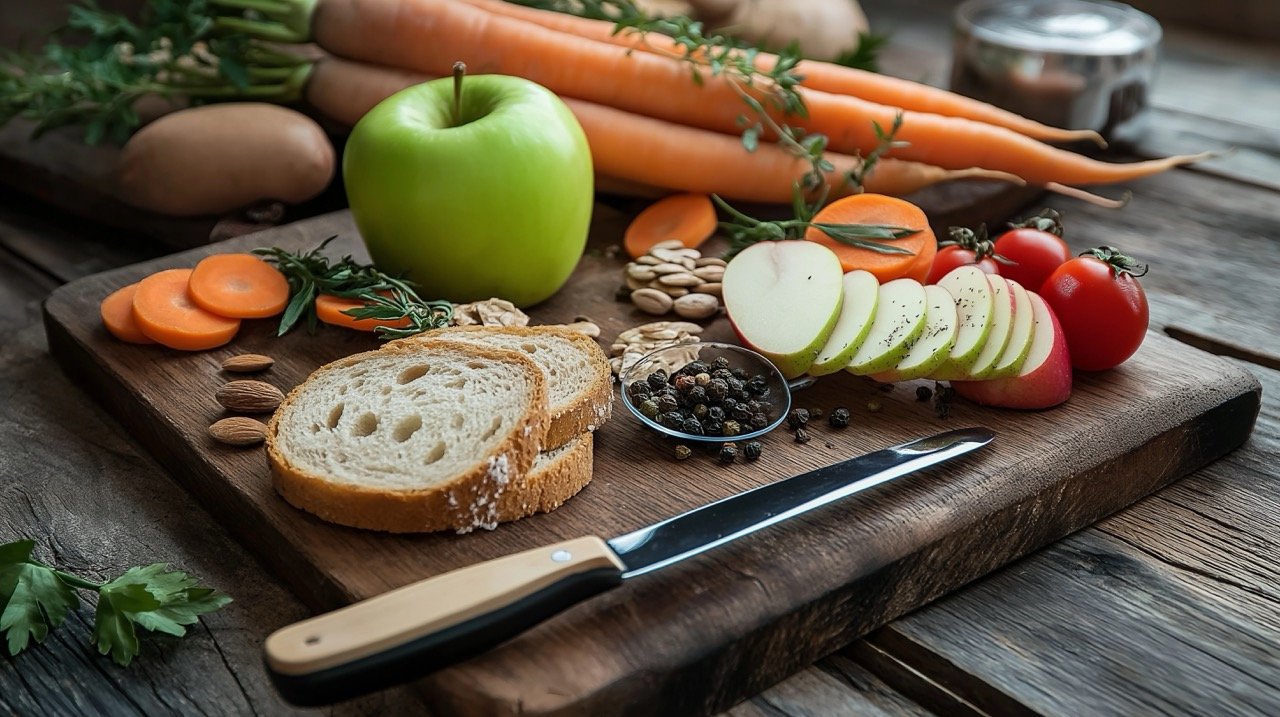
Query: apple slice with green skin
{"points": [[1010, 362], [861, 293], [969, 287], [1001, 330], [898, 322], [941, 323], [1045, 378], [783, 299]]}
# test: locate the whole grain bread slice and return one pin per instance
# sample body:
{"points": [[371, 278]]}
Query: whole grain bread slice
{"points": [[579, 382], [424, 436]]}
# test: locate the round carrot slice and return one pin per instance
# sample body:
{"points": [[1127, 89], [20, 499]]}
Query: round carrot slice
{"points": [[329, 309], [238, 286], [690, 218], [888, 211], [165, 314], [117, 316]]}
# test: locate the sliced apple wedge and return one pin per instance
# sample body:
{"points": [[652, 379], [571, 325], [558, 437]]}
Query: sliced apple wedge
{"points": [[783, 298], [898, 322], [974, 306], [998, 335], [1045, 378], [941, 323], [861, 293], [1015, 353]]}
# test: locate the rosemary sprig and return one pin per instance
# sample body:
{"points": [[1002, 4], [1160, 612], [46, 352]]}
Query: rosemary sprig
{"points": [[386, 298]]}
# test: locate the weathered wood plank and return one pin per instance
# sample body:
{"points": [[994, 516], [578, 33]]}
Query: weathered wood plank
{"points": [[1168, 607], [839, 687]]}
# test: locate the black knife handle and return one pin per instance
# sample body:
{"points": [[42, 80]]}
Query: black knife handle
{"points": [[431, 624]]}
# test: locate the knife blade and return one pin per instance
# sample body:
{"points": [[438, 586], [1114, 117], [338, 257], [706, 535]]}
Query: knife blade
{"points": [[430, 624]]}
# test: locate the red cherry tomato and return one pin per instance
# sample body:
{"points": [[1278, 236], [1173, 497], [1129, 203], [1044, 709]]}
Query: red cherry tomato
{"points": [[950, 257], [1101, 306], [1033, 255]]}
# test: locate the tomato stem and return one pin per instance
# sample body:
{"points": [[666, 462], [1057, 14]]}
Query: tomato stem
{"points": [[1118, 261]]}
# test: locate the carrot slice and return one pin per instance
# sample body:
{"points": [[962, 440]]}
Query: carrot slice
{"points": [[879, 209], [165, 314], [691, 218], [238, 286], [117, 316], [329, 309]]}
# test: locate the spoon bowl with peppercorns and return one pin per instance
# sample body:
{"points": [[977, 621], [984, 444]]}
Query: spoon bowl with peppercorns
{"points": [[726, 393]]}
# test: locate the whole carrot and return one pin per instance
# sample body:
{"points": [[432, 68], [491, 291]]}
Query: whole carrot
{"points": [[641, 150], [824, 76], [430, 35]]}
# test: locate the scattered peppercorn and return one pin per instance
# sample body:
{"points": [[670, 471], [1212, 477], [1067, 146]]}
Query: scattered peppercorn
{"points": [[873, 406], [839, 417], [728, 452], [798, 418], [683, 452], [751, 450], [802, 436], [923, 393], [623, 293]]}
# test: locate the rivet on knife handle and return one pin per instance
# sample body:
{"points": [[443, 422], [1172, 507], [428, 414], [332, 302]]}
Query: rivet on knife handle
{"points": [[412, 630]]}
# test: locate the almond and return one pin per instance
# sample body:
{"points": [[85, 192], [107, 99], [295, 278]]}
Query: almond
{"points": [[247, 363], [239, 431], [247, 396]]}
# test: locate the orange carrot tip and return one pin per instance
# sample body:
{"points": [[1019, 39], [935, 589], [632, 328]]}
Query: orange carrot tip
{"points": [[117, 316], [164, 313], [238, 286], [689, 218], [1095, 199]]}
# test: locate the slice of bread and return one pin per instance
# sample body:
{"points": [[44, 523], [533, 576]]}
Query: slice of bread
{"points": [[424, 436], [556, 476], [579, 382]]}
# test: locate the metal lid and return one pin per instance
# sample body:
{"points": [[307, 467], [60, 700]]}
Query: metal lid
{"points": [[1069, 27]]}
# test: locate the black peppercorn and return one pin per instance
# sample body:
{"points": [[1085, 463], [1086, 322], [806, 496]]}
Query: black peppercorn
{"points": [[735, 386], [649, 408], [923, 393], [638, 390], [798, 418], [683, 383], [758, 385], [715, 413], [740, 374], [721, 374], [692, 426], [667, 404], [839, 418], [712, 427], [728, 452], [699, 410], [623, 293], [696, 367], [696, 395], [731, 428], [721, 363], [759, 420], [674, 420], [740, 412], [815, 413], [802, 436], [717, 390], [683, 452], [657, 379], [755, 406], [751, 450]]}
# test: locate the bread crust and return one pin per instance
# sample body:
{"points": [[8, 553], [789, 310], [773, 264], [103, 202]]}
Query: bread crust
{"points": [[548, 487], [592, 406], [479, 497]]}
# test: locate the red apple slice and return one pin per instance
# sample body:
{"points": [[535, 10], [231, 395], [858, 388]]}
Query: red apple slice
{"points": [[861, 292], [783, 298], [1045, 378]]}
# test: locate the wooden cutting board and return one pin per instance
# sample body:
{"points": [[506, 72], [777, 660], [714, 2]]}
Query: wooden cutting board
{"points": [[700, 635]]}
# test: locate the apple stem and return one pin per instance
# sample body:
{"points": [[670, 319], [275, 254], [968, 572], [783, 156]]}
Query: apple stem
{"points": [[459, 70]]}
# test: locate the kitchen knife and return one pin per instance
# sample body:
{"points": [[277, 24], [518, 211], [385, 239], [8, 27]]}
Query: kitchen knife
{"points": [[430, 624]]}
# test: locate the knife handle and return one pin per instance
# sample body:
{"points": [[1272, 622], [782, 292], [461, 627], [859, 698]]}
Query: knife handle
{"points": [[430, 624]]}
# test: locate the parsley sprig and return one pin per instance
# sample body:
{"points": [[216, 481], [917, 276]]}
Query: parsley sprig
{"points": [[386, 298], [36, 598]]}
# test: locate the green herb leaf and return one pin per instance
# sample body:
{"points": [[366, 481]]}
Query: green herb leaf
{"points": [[33, 599]]}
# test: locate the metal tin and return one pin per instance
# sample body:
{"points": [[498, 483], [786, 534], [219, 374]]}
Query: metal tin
{"points": [[1077, 64]]}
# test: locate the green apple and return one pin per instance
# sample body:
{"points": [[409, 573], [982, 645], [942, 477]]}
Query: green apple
{"points": [[941, 323], [861, 292], [899, 321], [472, 187], [1015, 353], [783, 299], [1001, 329]]}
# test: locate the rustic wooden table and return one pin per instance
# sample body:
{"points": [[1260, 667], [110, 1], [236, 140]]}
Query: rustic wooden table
{"points": [[1167, 607]]}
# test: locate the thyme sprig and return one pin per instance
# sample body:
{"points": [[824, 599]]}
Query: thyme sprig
{"points": [[386, 298]]}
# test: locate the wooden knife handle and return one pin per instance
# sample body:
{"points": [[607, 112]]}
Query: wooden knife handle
{"points": [[419, 628]]}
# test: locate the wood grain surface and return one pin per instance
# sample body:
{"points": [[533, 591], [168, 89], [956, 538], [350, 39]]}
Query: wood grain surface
{"points": [[698, 636]]}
